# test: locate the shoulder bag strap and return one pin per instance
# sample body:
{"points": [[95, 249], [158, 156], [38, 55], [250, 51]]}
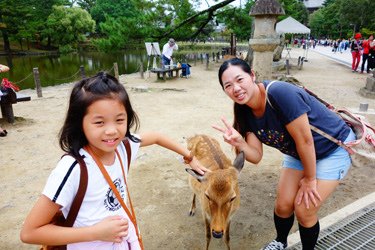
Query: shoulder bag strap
{"points": [[313, 128], [76, 205], [131, 214], [267, 88]]}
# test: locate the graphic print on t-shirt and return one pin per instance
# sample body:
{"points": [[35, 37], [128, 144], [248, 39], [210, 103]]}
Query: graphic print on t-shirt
{"points": [[111, 203], [275, 139]]}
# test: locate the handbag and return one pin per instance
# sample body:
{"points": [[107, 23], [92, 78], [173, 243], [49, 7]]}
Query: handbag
{"points": [[361, 150], [59, 218]]}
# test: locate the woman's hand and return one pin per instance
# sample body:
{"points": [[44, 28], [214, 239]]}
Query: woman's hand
{"points": [[307, 191], [230, 135], [112, 229]]}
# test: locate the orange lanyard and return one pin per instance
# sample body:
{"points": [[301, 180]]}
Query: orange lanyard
{"points": [[115, 191]]}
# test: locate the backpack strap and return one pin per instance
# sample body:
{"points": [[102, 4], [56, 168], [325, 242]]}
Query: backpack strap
{"points": [[76, 205], [128, 151]]}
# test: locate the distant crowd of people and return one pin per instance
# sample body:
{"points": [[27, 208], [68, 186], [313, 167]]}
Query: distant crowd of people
{"points": [[360, 48]]}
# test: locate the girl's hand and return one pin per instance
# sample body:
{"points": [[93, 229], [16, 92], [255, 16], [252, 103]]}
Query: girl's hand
{"points": [[308, 191], [198, 167], [112, 228], [230, 135]]}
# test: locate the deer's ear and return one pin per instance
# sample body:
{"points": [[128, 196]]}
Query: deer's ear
{"points": [[195, 174], [239, 161]]}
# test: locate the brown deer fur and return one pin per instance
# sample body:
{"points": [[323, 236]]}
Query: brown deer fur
{"points": [[217, 190]]}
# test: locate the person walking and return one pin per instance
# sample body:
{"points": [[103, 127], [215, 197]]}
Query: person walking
{"points": [[366, 52], [371, 55], [279, 114], [356, 48]]}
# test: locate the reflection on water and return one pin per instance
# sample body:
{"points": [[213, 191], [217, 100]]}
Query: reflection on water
{"points": [[57, 69]]}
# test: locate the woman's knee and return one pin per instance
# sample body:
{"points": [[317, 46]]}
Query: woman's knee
{"points": [[283, 208], [306, 217]]}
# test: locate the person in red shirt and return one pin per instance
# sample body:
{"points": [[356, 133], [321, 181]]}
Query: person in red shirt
{"points": [[356, 48], [366, 51], [371, 55]]}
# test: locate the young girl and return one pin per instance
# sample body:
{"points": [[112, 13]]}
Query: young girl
{"points": [[279, 115], [99, 117]]}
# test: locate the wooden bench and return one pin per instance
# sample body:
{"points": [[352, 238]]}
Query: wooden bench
{"points": [[164, 71], [7, 100]]}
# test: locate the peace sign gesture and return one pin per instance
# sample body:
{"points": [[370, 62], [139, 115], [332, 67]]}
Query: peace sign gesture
{"points": [[230, 135]]}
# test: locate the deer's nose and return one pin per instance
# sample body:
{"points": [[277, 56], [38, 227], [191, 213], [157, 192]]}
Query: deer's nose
{"points": [[217, 235]]}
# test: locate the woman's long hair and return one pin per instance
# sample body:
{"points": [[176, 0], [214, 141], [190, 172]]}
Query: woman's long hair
{"points": [[240, 111]]}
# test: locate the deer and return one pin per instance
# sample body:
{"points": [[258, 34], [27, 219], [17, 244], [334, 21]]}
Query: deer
{"points": [[217, 190]]}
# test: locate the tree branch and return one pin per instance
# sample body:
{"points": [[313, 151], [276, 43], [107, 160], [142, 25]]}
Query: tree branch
{"points": [[210, 12]]}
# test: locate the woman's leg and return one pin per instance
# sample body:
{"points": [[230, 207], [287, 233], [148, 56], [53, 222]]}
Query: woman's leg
{"points": [[286, 191], [364, 59], [308, 218], [284, 205], [353, 60], [358, 59]]}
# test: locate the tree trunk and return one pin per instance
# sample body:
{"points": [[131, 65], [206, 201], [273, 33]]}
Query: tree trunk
{"points": [[5, 36]]}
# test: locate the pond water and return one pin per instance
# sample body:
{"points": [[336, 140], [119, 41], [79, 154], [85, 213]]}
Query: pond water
{"points": [[58, 69]]}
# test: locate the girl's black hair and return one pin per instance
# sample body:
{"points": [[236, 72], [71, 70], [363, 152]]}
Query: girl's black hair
{"points": [[240, 111], [84, 93]]}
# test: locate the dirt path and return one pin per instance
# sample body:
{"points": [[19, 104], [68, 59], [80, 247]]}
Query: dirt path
{"points": [[159, 188]]}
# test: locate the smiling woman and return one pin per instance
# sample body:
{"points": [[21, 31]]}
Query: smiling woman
{"points": [[280, 117]]}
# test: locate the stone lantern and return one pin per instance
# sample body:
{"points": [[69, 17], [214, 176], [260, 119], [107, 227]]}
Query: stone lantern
{"points": [[369, 89], [265, 38]]}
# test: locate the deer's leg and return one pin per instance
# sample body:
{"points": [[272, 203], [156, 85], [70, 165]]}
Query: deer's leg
{"points": [[208, 232], [227, 236], [192, 209]]}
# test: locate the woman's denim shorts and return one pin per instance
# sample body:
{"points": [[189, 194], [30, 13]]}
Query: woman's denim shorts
{"points": [[333, 167]]}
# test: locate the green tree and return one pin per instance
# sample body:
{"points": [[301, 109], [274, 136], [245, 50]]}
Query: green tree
{"points": [[69, 25], [14, 17], [295, 9], [120, 22], [237, 20], [341, 18]]}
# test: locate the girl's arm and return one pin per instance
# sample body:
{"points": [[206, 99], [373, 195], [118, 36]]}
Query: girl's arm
{"points": [[251, 147], [150, 138], [37, 230], [300, 131]]}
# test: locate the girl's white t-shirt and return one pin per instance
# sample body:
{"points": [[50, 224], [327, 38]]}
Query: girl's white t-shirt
{"points": [[99, 201]]}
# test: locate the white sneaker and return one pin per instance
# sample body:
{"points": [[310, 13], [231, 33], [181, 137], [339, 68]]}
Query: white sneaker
{"points": [[275, 245]]}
